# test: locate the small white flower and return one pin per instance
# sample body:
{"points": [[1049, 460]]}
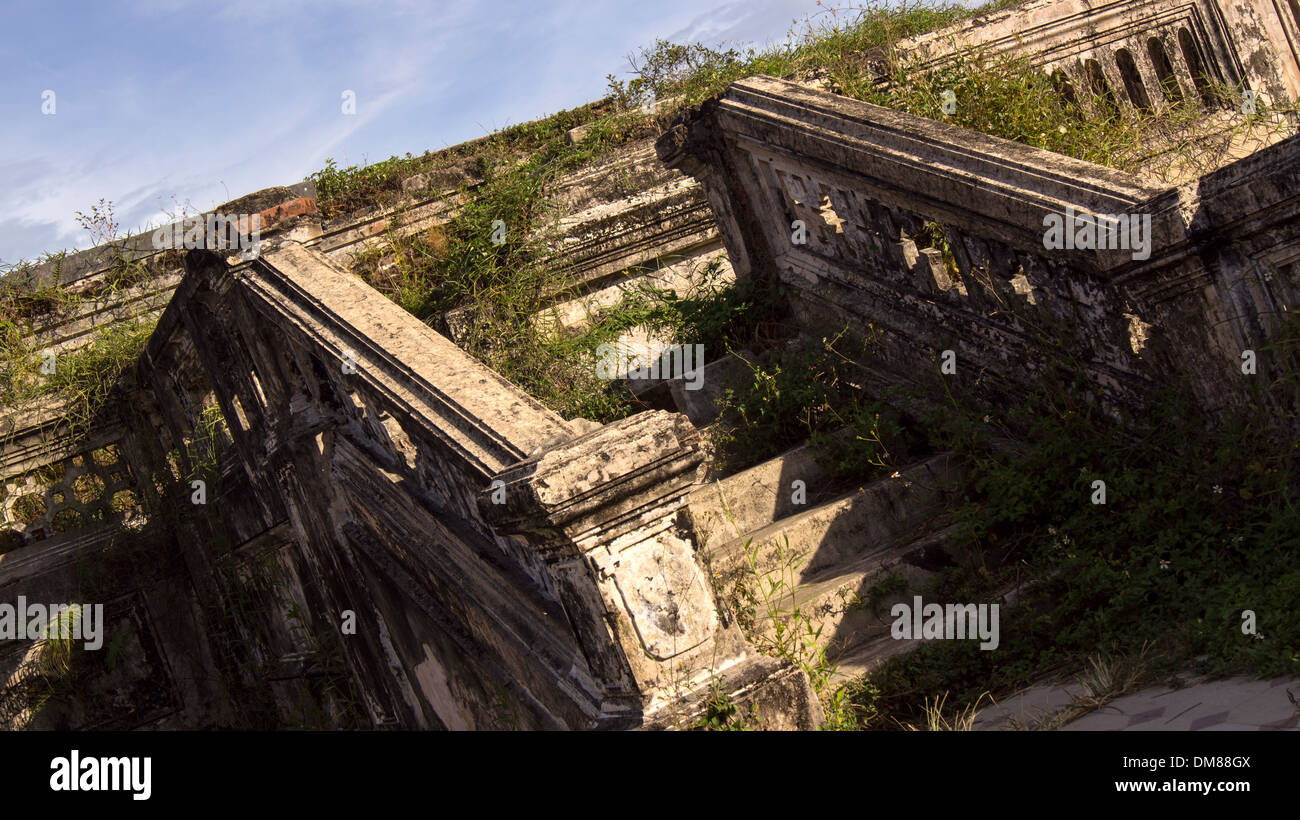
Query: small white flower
{"points": [[1218, 490]]}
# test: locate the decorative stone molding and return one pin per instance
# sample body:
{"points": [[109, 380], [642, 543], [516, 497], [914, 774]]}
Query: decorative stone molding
{"points": [[1255, 43], [603, 509]]}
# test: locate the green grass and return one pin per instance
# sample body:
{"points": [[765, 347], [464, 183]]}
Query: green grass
{"points": [[345, 190], [85, 378], [1201, 523], [1007, 97], [837, 43], [82, 380], [560, 367], [804, 392]]}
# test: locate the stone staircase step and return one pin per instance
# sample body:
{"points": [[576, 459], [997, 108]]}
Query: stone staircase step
{"points": [[747, 501], [865, 657], [681, 276], [698, 395], [866, 650], [848, 529], [694, 394], [838, 605]]}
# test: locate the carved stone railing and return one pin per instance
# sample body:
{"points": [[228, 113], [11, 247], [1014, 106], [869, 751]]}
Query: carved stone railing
{"points": [[503, 568], [1144, 53], [85, 522], [935, 237], [1225, 279], [90, 489]]}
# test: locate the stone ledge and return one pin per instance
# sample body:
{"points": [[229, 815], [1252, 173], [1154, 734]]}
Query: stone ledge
{"points": [[602, 479]]}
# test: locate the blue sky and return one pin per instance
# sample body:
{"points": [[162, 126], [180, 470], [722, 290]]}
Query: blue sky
{"points": [[164, 104]]}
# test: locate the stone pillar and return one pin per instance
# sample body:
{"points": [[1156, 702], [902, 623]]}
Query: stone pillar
{"points": [[602, 512]]}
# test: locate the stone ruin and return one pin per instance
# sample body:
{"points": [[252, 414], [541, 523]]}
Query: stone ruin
{"points": [[506, 568]]}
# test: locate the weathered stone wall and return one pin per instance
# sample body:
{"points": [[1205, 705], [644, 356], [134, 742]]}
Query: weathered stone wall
{"points": [[866, 181], [1225, 276]]}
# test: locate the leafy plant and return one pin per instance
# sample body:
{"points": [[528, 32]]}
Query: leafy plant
{"points": [[805, 392]]}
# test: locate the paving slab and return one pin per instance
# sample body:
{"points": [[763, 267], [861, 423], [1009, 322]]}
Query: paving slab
{"points": [[1026, 708], [1201, 704], [1237, 703]]}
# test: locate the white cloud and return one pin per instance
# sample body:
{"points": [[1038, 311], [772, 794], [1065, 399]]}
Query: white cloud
{"points": [[189, 101]]}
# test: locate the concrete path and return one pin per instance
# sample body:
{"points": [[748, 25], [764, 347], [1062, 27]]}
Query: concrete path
{"points": [[1200, 704]]}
